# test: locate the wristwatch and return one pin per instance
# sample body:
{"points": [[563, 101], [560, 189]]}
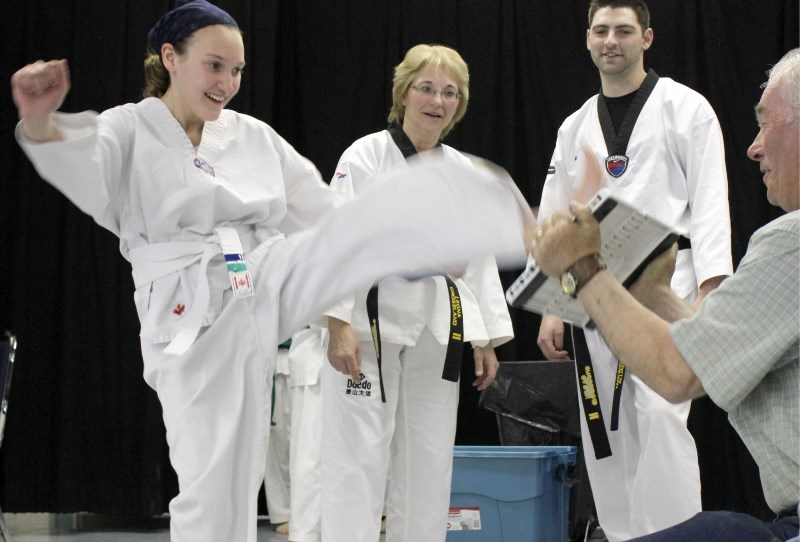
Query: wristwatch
{"points": [[580, 273]]}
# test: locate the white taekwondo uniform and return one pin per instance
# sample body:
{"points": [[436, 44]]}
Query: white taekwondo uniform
{"points": [[134, 170], [412, 433], [306, 358], [676, 171]]}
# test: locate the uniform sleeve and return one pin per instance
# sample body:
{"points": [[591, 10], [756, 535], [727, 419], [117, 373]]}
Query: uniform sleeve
{"points": [[86, 166], [349, 177], [308, 197], [354, 174], [707, 185], [483, 280], [342, 310], [342, 181], [558, 183]]}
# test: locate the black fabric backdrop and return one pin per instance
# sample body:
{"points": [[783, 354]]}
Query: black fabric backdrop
{"points": [[84, 432]]}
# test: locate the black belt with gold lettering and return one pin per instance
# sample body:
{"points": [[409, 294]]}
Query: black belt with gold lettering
{"points": [[589, 395], [455, 343]]}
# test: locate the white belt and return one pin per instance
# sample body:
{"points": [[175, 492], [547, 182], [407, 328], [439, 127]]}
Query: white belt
{"points": [[151, 262]]}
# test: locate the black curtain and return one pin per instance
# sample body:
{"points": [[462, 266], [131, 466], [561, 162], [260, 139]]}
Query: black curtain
{"points": [[84, 432]]}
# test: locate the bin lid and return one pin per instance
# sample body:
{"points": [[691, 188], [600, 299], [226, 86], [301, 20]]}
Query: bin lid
{"points": [[513, 451]]}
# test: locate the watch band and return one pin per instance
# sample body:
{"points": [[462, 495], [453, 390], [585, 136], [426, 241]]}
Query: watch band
{"points": [[582, 271]]}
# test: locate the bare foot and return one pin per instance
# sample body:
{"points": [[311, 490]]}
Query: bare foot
{"points": [[282, 528]]}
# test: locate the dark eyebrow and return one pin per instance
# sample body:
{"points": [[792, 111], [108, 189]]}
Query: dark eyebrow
{"points": [[617, 27], [220, 57]]}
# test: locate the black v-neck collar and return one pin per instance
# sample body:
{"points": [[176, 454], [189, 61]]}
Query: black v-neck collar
{"points": [[404, 143], [617, 143]]}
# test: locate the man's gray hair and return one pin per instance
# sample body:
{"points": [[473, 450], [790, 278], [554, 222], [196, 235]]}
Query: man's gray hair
{"points": [[785, 76]]}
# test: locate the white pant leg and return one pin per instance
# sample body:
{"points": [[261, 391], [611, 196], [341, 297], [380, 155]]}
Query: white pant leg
{"points": [[665, 440], [356, 435], [386, 491], [422, 447], [650, 445], [668, 461], [276, 476], [304, 463], [612, 476], [216, 402], [215, 406]]}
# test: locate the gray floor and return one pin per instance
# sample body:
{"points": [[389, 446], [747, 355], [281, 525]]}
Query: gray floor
{"points": [[95, 528]]}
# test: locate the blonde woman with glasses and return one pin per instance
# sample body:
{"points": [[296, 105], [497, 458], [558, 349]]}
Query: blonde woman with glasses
{"points": [[391, 388]]}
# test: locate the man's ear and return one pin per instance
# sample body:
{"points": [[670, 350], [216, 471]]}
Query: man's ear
{"points": [[648, 39]]}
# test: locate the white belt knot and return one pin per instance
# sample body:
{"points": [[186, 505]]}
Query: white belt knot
{"points": [[153, 261]]}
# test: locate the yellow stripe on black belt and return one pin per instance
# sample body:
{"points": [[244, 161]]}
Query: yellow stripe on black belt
{"points": [[589, 396], [455, 344]]}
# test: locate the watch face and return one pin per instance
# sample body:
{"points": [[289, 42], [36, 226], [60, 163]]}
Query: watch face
{"points": [[568, 283]]}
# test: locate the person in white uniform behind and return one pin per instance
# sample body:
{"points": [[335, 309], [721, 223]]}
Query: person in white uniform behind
{"points": [[398, 412], [306, 358], [662, 148], [276, 471], [202, 199]]}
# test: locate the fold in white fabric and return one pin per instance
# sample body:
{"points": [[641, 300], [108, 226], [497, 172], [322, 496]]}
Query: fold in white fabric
{"points": [[432, 218]]}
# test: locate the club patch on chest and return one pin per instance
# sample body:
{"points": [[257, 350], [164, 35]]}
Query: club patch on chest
{"points": [[616, 165]]}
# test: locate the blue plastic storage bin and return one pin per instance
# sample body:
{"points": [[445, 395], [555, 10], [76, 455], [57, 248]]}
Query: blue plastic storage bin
{"points": [[519, 493]]}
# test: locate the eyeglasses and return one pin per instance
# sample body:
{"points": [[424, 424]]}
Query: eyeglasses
{"points": [[448, 94]]}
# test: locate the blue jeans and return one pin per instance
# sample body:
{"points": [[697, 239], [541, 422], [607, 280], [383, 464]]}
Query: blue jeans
{"points": [[726, 527]]}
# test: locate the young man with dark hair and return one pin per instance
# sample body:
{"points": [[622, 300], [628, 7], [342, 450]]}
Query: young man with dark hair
{"points": [[662, 148]]}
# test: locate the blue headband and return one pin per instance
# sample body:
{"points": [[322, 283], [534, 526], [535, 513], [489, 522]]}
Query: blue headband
{"points": [[185, 20]]}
